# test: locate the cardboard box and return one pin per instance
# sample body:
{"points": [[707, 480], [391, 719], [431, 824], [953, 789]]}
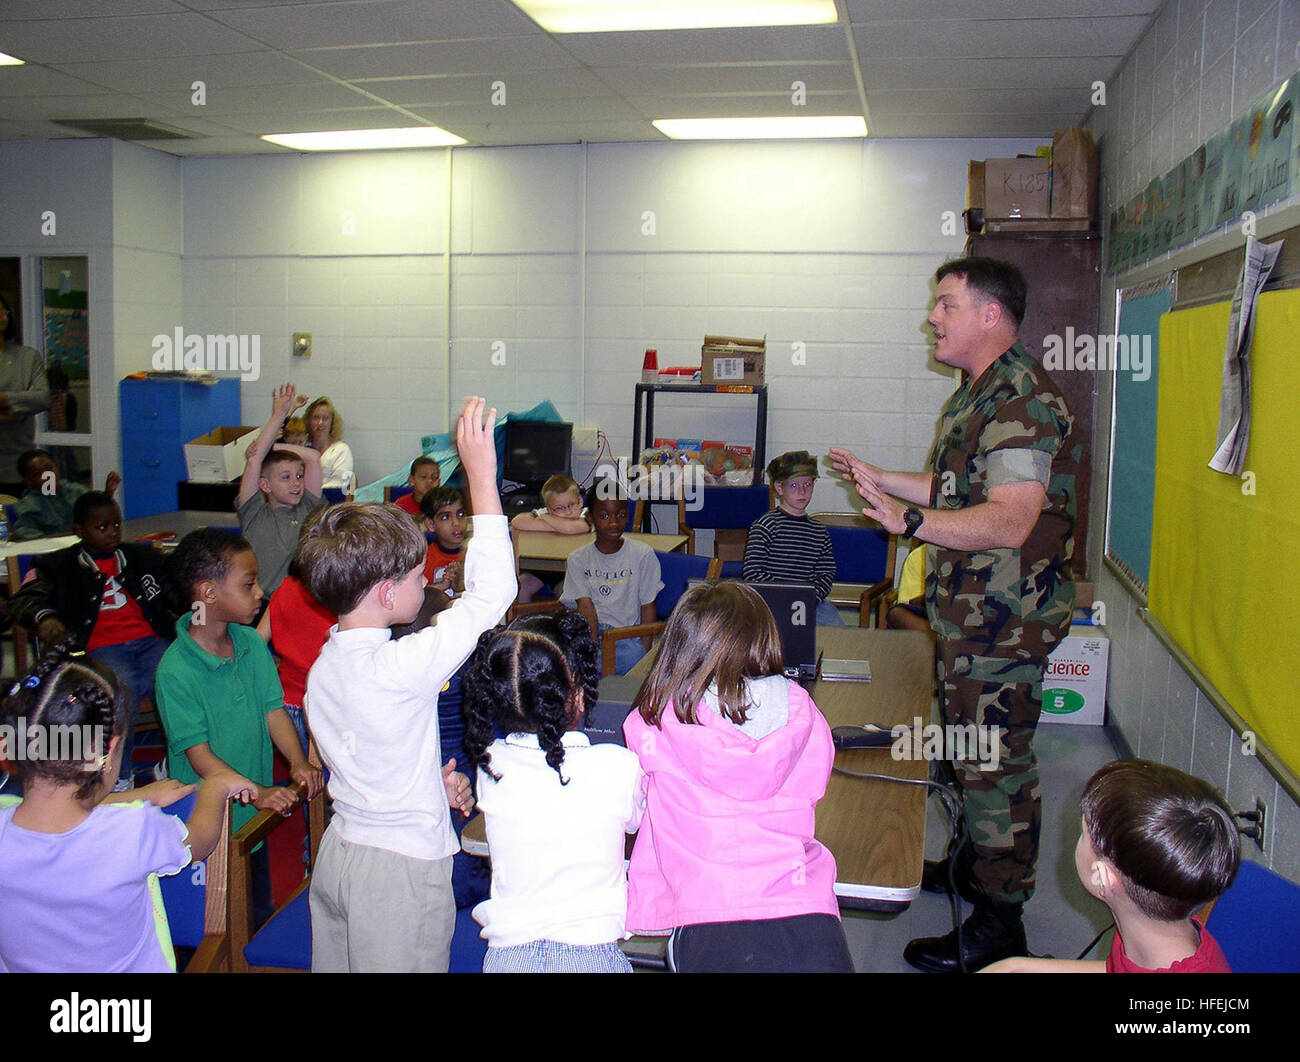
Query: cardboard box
{"points": [[1074, 686], [729, 543], [1017, 188], [1074, 173], [731, 360], [975, 185], [218, 456]]}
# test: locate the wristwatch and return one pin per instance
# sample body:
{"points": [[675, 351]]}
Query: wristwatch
{"points": [[913, 519]]}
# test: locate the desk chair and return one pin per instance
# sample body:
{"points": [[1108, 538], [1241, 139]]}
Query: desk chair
{"points": [[865, 554], [196, 903], [283, 945], [1257, 922], [391, 494], [723, 508], [675, 570]]}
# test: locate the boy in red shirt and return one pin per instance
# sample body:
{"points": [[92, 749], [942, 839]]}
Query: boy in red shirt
{"points": [[105, 596], [1157, 845], [444, 518], [425, 476]]}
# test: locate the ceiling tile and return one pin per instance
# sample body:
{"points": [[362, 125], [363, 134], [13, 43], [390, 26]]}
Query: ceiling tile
{"points": [[464, 88], [135, 37], [222, 101], [459, 57], [961, 75], [885, 10], [748, 106], [998, 39], [378, 22], [772, 44], [215, 71], [33, 80], [47, 9]]}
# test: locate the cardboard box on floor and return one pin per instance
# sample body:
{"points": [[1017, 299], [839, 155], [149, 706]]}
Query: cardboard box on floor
{"points": [[218, 456]]}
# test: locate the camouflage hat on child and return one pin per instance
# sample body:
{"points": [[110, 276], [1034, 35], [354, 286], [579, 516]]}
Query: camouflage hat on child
{"points": [[792, 465]]}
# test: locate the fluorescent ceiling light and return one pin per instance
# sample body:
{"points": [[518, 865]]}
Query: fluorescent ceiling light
{"points": [[367, 139], [9, 60], [789, 128], [607, 16]]}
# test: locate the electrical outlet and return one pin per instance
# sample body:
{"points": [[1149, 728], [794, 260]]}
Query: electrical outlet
{"points": [[302, 344], [584, 439]]}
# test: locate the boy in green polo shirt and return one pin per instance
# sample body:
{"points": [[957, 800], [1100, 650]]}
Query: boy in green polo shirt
{"points": [[218, 692]]}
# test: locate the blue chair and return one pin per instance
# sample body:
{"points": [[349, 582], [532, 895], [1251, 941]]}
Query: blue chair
{"points": [[334, 495], [284, 943], [391, 494], [196, 901], [723, 508], [675, 570], [1257, 922], [865, 555]]}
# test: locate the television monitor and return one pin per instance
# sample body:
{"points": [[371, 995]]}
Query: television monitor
{"points": [[537, 450]]}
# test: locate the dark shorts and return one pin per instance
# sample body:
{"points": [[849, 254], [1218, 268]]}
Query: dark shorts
{"points": [[812, 943]]}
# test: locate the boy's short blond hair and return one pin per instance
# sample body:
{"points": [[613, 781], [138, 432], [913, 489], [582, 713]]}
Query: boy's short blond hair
{"points": [[558, 485], [351, 548]]}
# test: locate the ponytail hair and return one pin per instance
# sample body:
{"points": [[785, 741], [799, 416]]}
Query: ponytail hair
{"points": [[79, 705], [532, 677]]}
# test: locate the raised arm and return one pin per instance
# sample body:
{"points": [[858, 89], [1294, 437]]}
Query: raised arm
{"points": [[478, 453], [283, 402], [313, 475]]}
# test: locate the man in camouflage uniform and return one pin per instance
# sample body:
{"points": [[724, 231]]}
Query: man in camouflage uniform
{"points": [[999, 593]]}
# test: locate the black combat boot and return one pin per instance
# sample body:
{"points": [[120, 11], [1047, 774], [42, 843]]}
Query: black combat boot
{"points": [[934, 877], [993, 931]]}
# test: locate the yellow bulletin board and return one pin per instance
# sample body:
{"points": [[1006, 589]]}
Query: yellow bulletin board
{"points": [[1225, 552]]}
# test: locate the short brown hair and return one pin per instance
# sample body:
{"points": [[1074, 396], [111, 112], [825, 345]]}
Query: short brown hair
{"points": [[279, 457], [1170, 835], [560, 485], [719, 634], [351, 548]]}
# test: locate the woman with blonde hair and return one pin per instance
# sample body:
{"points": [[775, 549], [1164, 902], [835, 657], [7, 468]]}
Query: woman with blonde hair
{"points": [[325, 428]]}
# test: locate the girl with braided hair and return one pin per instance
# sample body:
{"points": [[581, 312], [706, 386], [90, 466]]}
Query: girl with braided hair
{"points": [[78, 867], [557, 807]]}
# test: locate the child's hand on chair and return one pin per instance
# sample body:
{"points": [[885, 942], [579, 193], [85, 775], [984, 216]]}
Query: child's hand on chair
{"points": [[459, 794]]}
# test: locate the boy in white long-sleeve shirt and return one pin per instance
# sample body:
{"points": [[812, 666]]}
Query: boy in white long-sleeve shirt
{"points": [[381, 895]]}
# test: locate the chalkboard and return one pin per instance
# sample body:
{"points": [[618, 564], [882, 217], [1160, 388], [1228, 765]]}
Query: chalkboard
{"points": [[1133, 427]]}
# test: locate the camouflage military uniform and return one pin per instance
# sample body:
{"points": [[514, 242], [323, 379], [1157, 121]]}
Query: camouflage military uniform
{"points": [[999, 612]]}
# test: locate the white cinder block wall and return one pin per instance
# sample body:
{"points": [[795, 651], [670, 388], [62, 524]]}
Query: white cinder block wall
{"points": [[1197, 68]]}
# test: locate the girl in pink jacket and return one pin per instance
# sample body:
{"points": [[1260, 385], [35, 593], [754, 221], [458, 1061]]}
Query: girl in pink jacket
{"points": [[736, 758]]}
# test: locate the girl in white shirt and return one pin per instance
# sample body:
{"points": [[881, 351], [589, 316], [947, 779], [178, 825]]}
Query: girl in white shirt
{"points": [[326, 431], [557, 807]]}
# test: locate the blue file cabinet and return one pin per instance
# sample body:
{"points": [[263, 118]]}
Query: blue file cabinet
{"points": [[158, 418]]}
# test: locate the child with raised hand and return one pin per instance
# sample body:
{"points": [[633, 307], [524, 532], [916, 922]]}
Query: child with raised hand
{"points": [[77, 872], [381, 892], [737, 758], [557, 807], [1157, 845], [281, 487], [218, 694]]}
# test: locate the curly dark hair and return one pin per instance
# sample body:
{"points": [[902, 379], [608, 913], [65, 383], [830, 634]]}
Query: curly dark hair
{"points": [[92, 499], [76, 705], [525, 678], [205, 554]]}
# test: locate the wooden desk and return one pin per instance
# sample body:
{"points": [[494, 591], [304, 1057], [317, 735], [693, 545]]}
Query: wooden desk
{"points": [[875, 829], [545, 552]]}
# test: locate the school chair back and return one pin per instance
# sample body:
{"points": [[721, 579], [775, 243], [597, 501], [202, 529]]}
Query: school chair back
{"points": [[865, 555], [1257, 922], [675, 571], [333, 495], [283, 945], [196, 901], [723, 508], [391, 494]]}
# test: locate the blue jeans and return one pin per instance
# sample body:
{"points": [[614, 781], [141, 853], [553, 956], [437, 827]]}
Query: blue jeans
{"points": [[626, 652], [828, 615], [135, 663], [550, 956]]}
